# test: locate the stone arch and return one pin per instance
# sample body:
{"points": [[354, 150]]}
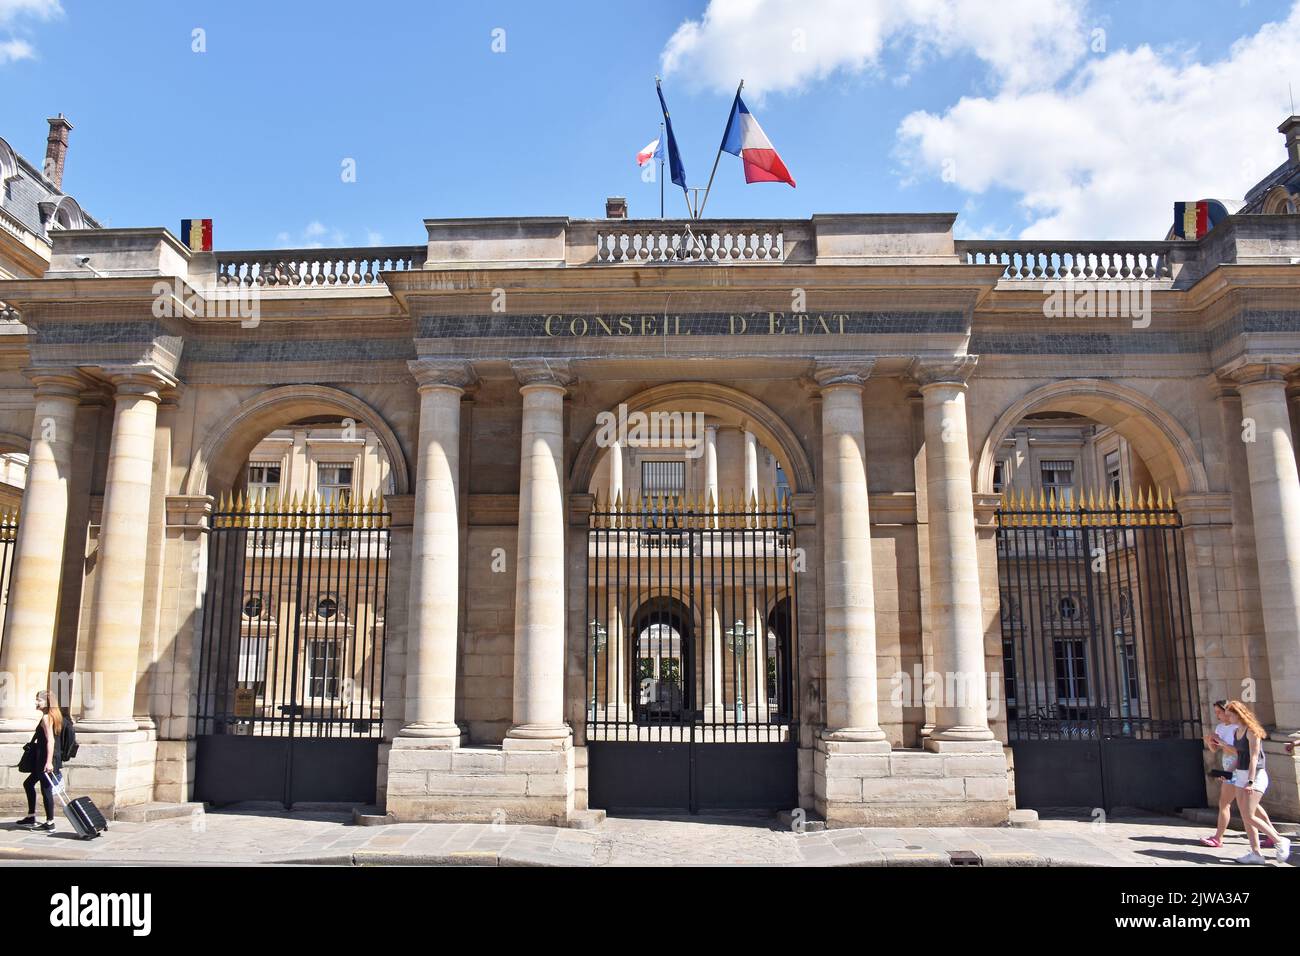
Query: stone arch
{"points": [[1160, 439], [224, 452], [719, 401], [14, 442]]}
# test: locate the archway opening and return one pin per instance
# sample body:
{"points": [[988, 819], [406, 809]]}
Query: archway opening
{"points": [[1097, 649], [291, 664]]}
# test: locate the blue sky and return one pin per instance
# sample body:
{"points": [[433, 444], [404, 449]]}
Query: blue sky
{"points": [[1021, 125]]}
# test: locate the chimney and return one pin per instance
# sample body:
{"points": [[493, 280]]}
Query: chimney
{"points": [[56, 150], [1290, 128], [615, 207]]}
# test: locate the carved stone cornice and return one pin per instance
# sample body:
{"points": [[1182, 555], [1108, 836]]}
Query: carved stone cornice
{"points": [[954, 371], [445, 373], [833, 371], [556, 373]]}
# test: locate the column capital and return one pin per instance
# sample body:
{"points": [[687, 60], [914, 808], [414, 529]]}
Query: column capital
{"points": [[67, 382], [955, 371], [143, 381], [832, 371], [443, 373], [1255, 373], [541, 371]]}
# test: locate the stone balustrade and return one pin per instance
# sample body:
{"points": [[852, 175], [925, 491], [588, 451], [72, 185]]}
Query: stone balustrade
{"points": [[680, 240], [1047, 261], [301, 268]]}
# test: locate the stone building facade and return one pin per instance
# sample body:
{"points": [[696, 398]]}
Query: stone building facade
{"points": [[848, 399]]}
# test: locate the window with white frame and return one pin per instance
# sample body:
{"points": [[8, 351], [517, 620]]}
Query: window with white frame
{"points": [[323, 667], [333, 482], [263, 480], [1058, 476], [1114, 482], [253, 650]]}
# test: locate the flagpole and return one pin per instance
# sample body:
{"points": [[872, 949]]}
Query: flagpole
{"points": [[662, 153], [689, 211], [725, 131]]}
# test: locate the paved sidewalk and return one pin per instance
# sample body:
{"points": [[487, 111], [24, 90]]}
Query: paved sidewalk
{"points": [[226, 837]]}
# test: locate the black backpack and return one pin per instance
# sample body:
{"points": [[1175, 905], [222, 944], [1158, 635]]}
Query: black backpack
{"points": [[67, 740]]}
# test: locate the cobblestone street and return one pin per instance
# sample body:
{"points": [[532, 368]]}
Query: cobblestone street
{"points": [[225, 837]]}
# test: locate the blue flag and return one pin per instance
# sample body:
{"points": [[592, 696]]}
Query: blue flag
{"points": [[675, 168]]}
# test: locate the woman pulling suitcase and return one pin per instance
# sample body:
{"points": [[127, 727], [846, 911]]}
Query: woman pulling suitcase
{"points": [[41, 759]]}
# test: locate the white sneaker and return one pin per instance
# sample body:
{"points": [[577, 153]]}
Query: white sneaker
{"points": [[1251, 857], [1283, 849]]}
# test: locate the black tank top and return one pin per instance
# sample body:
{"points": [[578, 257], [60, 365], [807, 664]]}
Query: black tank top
{"points": [[1243, 753], [38, 738]]}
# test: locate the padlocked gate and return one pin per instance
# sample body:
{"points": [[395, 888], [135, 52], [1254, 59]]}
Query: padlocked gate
{"points": [[291, 665]]}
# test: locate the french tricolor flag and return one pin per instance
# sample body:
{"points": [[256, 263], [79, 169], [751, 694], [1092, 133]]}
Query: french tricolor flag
{"points": [[746, 139]]}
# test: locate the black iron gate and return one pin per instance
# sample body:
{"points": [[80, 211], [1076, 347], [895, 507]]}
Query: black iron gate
{"points": [[8, 548], [291, 665], [1099, 662], [691, 656]]}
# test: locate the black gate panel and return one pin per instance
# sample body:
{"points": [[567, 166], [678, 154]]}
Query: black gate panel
{"points": [[291, 664], [639, 777], [1164, 775], [1058, 773], [692, 649], [325, 770], [750, 776], [231, 769], [1098, 656]]}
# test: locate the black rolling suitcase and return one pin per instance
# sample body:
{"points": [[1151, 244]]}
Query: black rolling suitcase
{"points": [[82, 813]]}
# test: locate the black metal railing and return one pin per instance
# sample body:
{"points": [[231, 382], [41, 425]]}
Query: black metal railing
{"points": [[293, 621], [8, 549], [691, 620], [1096, 623]]}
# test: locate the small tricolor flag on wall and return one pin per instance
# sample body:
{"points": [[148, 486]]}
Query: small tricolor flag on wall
{"points": [[197, 234], [1194, 219]]}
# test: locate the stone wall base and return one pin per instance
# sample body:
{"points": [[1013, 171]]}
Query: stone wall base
{"points": [[1282, 799], [863, 785], [173, 778], [486, 784], [114, 770]]}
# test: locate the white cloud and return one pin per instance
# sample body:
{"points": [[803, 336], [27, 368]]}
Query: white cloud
{"points": [[1107, 154], [11, 10], [314, 235], [14, 11], [779, 46], [11, 50]]}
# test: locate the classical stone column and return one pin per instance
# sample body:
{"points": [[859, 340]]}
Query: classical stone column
{"points": [[28, 644], [539, 582], [123, 544], [432, 623], [711, 466], [852, 711], [1275, 500], [956, 612], [751, 467], [616, 492]]}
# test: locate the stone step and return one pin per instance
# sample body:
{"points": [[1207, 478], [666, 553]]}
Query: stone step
{"points": [[149, 812]]}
